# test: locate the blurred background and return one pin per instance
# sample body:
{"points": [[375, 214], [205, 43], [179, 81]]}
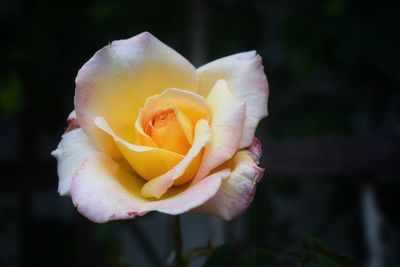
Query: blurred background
{"points": [[331, 142]]}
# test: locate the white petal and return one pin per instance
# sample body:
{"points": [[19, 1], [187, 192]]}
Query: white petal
{"points": [[103, 191], [228, 114], [245, 76], [237, 191], [70, 154]]}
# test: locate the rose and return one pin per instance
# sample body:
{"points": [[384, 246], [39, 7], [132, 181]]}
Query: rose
{"points": [[151, 133]]}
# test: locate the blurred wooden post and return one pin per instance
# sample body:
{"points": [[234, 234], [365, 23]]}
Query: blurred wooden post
{"points": [[198, 36], [372, 224]]}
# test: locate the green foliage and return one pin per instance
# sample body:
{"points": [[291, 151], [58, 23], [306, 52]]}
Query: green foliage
{"points": [[318, 254], [114, 255], [11, 94], [222, 256], [313, 253]]}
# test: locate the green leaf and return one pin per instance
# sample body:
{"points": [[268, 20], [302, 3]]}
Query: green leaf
{"points": [[11, 94], [318, 254], [313, 253], [254, 257], [239, 256], [222, 256]]}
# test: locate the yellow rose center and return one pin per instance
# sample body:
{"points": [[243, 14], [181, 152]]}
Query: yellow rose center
{"points": [[166, 132]]}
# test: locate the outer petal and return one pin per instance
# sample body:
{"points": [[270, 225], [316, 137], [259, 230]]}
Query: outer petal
{"points": [[159, 185], [226, 125], [72, 122], [247, 81], [103, 191], [238, 191], [117, 80], [70, 154]]}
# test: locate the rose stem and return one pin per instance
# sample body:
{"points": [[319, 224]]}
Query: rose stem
{"points": [[178, 241]]}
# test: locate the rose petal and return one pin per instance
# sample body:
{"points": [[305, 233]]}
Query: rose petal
{"points": [[143, 138], [192, 197], [103, 191], [246, 79], [226, 126], [186, 125], [166, 131], [194, 106], [159, 185], [118, 79], [237, 191], [189, 108], [70, 153], [182, 102], [148, 162], [72, 122]]}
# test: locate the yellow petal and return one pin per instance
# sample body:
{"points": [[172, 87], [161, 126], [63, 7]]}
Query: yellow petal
{"points": [[183, 171], [117, 80], [167, 119], [192, 105], [165, 130], [142, 138], [148, 162], [186, 125]]}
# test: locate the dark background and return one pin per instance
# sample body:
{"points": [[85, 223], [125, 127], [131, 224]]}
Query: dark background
{"points": [[331, 142]]}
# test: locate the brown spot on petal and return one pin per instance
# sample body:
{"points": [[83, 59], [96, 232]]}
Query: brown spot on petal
{"points": [[256, 149], [132, 213], [72, 122]]}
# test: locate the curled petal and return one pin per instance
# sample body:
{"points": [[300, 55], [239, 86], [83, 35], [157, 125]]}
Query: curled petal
{"points": [[194, 106], [159, 185], [186, 125], [118, 79], [246, 79], [70, 154], [148, 162], [72, 122], [226, 126], [237, 191], [103, 191], [143, 138]]}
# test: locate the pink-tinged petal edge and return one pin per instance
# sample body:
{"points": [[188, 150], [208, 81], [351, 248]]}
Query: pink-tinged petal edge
{"points": [[99, 195], [226, 126], [111, 84], [246, 79], [238, 191], [73, 148]]}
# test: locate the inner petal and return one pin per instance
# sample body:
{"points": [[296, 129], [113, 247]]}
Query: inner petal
{"points": [[189, 107], [165, 145], [183, 171], [142, 138], [167, 120], [148, 162], [165, 130]]}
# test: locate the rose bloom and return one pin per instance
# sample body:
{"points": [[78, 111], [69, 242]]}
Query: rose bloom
{"points": [[150, 132]]}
